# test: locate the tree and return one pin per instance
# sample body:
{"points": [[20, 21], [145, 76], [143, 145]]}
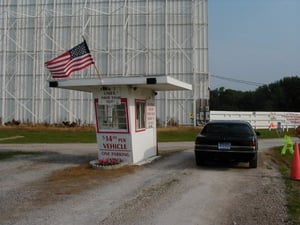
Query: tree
{"points": [[282, 95]]}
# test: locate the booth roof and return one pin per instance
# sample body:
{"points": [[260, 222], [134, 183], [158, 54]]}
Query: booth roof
{"points": [[156, 83]]}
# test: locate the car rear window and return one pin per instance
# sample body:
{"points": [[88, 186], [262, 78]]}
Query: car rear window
{"points": [[227, 129]]}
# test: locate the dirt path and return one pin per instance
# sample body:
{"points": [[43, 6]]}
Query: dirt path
{"points": [[58, 187]]}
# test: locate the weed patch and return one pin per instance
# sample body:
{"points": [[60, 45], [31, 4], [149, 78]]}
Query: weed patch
{"points": [[292, 186]]}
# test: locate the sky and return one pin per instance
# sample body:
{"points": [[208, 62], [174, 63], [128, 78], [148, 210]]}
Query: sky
{"points": [[252, 40]]}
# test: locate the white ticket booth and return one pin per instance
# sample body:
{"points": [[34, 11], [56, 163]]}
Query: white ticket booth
{"points": [[125, 113]]}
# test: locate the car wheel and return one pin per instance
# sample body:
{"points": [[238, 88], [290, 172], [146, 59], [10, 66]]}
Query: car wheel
{"points": [[253, 163], [199, 159]]}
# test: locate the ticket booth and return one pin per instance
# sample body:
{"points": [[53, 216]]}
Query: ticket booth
{"points": [[125, 113]]}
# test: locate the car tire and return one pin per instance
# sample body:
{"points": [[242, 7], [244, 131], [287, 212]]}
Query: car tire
{"points": [[253, 162], [199, 159]]}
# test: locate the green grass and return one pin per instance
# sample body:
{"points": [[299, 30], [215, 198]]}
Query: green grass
{"points": [[266, 133], [189, 134], [292, 187], [76, 135], [44, 135], [18, 135], [177, 134]]}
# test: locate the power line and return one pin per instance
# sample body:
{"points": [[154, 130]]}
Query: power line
{"points": [[237, 80]]}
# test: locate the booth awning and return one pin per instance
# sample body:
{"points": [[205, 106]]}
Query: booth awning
{"points": [[156, 83]]}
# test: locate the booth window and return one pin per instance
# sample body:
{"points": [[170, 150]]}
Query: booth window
{"points": [[140, 106], [112, 117]]}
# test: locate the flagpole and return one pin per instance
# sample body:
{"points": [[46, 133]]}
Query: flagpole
{"points": [[97, 71], [96, 68]]}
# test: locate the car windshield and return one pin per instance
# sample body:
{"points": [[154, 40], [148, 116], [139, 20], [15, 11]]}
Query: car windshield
{"points": [[231, 129]]}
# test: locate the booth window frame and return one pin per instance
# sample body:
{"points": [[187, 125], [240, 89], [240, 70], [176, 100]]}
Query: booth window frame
{"points": [[118, 113], [140, 115]]}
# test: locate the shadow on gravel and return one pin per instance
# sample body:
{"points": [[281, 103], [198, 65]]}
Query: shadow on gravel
{"points": [[186, 160], [223, 165], [179, 159], [54, 157]]}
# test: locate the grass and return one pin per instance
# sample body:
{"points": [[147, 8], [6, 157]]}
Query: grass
{"points": [[172, 134], [266, 133], [19, 135], [292, 186], [47, 135], [189, 134], [81, 135]]}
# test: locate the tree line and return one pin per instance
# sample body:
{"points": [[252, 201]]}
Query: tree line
{"points": [[282, 95]]}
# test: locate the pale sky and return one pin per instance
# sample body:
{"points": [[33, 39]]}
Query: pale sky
{"points": [[253, 40]]}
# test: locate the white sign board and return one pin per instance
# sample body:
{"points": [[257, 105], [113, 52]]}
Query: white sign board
{"points": [[150, 114], [110, 97], [115, 146]]}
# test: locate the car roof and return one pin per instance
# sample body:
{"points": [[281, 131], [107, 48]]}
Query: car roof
{"points": [[229, 122]]}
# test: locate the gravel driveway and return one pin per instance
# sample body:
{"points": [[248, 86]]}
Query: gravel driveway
{"points": [[58, 187]]}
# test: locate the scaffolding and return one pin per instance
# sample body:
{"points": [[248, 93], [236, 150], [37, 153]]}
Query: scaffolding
{"points": [[126, 38]]}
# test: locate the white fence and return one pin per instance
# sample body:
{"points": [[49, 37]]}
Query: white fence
{"points": [[261, 120]]}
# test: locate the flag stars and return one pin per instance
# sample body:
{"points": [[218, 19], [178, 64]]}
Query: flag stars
{"points": [[79, 50]]}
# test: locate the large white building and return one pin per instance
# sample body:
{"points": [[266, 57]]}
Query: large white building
{"points": [[126, 38]]}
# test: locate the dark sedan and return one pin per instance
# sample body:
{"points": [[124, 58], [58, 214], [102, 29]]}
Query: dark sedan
{"points": [[227, 140]]}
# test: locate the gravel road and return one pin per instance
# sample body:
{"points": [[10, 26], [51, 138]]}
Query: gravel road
{"points": [[57, 187]]}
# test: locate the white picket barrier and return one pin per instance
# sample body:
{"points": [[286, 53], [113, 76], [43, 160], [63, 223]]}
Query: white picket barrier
{"points": [[261, 120]]}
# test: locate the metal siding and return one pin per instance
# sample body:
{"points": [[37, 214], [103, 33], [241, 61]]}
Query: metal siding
{"points": [[126, 38]]}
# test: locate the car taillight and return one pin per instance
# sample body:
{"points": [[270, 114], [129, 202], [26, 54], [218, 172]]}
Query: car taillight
{"points": [[250, 143]]}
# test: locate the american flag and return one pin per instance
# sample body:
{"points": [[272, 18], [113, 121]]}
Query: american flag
{"points": [[75, 59]]}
